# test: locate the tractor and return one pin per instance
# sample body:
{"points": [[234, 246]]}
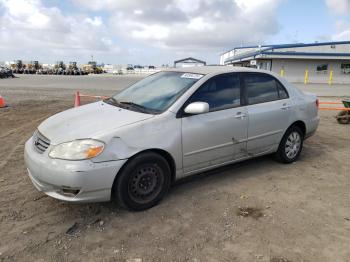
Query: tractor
{"points": [[18, 67], [59, 68]]}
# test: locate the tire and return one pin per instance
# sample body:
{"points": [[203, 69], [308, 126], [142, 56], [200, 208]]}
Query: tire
{"points": [[290, 146], [342, 117], [143, 182]]}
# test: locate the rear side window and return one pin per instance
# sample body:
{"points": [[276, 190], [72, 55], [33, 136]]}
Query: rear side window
{"points": [[261, 88], [220, 92]]}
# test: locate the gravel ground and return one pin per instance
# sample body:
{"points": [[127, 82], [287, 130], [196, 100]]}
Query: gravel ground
{"points": [[43, 87], [257, 210]]}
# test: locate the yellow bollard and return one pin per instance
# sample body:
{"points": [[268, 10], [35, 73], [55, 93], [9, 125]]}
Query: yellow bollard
{"points": [[282, 72], [306, 77], [330, 80]]}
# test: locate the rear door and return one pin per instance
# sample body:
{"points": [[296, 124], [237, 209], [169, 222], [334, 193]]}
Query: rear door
{"points": [[268, 107], [218, 136]]}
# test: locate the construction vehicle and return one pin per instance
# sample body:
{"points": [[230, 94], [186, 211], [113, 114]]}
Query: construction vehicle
{"points": [[28, 69], [92, 68], [32, 67], [73, 69], [6, 72], [59, 68], [36, 66], [13, 66], [40, 68], [45, 69], [18, 67]]}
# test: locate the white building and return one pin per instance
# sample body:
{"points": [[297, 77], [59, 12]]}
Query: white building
{"points": [[315, 63], [189, 62]]}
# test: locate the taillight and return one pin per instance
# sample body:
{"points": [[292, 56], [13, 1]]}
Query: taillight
{"points": [[317, 103]]}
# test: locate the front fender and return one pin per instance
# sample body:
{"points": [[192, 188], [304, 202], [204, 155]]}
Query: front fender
{"points": [[117, 149], [162, 132]]}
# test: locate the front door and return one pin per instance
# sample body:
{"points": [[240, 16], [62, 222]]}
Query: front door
{"points": [[218, 136]]}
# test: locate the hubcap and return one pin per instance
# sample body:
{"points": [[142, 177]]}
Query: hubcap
{"points": [[145, 183], [293, 144]]}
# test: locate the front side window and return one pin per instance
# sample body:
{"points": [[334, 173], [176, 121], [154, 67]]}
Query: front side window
{"points": [[154, 94], [220, 92]]}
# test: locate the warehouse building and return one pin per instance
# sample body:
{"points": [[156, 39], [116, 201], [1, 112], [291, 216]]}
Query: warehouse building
{"points": [[189, 62], [327, 62]]}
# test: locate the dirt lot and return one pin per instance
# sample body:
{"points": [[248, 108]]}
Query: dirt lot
{"points": [[258, 210]]}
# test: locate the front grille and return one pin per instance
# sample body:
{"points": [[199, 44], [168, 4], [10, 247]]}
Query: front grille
{"points": [[41, 143]]}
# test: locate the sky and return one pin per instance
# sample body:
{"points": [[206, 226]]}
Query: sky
{"points": [[156, 32]]}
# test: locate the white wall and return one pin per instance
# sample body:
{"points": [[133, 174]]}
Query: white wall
{"points": [[181, 65], [294, 70]]}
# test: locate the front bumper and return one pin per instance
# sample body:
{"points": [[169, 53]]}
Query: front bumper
{"points": [[74, 181]]}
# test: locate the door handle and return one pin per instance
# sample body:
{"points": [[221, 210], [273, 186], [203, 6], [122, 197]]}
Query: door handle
{"points": [[240, 115], [285, 107]]}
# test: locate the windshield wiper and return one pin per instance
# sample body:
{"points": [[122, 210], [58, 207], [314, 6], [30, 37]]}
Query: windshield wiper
{"points": [[112, 101], [129, 105], [136, 106]]}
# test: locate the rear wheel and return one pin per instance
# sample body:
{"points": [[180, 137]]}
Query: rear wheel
{"points": [[143, 182], [290, 145]]}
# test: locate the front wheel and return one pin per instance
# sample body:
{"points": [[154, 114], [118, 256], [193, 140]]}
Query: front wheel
{"points": [[290, 145], [143, 182]]}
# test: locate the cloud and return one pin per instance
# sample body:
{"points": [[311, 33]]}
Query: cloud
{"points": [[339, 7], [342, 26], [96, 21], [30, 29], [199, 24], [156, 32], [117, 28], [342, 31], [191, 25]]}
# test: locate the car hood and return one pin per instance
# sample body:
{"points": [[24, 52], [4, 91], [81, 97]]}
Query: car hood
{"points": [[87, 121]]}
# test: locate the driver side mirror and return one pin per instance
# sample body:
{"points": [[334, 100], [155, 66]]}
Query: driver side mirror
{"points": [[197, 108]]}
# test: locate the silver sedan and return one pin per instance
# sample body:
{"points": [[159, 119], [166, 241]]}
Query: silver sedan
{"points": [[135, 144]]}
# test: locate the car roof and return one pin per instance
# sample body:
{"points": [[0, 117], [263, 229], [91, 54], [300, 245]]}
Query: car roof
{"points": [[215, 69]]}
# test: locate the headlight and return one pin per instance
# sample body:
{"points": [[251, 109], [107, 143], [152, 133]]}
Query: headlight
{"points": [[77, 149]]}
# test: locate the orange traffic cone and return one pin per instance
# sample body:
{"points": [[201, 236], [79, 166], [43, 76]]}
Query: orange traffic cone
{"points": [[77, 99], [2, 102]]}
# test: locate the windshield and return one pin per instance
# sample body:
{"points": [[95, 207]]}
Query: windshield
{"points": [[156, 92]]}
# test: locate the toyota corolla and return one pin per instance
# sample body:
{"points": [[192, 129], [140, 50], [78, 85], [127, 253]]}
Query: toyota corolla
{"points": [[135, 144]]}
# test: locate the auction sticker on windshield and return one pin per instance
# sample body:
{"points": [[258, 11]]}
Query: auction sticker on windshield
{"points": [[192, 76]]}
